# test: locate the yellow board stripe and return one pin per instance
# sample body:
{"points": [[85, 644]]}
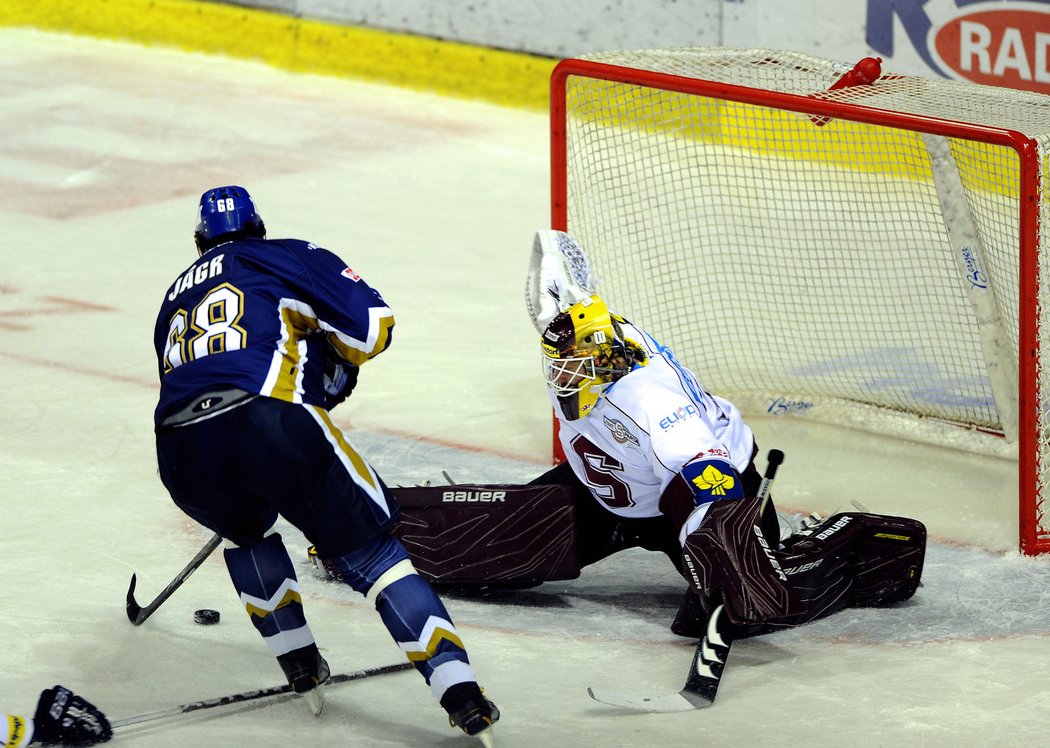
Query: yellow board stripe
{"points": [[443, 67], [300, 45]]}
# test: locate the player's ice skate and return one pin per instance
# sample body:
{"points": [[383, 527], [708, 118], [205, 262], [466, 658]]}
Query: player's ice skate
{"points": [[470, 711], [309, 683]]}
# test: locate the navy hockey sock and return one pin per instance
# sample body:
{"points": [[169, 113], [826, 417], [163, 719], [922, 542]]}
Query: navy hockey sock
{"points": [[265, 579], [411, 610]]}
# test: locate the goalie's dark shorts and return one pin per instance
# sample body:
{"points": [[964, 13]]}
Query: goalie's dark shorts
{"points": [[236, 471], [600, 533]]}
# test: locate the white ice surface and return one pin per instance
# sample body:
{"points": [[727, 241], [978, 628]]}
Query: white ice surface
{"points": [[104, 151]]}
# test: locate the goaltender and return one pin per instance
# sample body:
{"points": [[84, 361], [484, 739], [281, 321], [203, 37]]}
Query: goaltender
{"points": [[658, 462], [655, 461]]}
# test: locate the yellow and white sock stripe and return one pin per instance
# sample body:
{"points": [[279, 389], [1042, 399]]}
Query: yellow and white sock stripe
{"points": [[283, 641], [435, 631]]}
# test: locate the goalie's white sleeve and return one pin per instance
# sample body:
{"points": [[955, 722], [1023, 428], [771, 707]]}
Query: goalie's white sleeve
{"points": [[646, 427], [559, 276]]}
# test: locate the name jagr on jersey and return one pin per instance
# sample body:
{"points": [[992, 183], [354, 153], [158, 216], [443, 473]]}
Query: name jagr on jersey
{"points": [[196, 275]]}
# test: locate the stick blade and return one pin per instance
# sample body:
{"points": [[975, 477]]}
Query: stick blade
{"points": [[701, 685], [675, 702], [133, 608]]}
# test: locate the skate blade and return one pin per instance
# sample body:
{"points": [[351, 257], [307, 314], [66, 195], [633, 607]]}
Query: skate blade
{"points": [[315, 700]]}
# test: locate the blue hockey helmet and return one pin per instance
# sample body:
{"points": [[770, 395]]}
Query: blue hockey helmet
{"points": [[225, 214]]}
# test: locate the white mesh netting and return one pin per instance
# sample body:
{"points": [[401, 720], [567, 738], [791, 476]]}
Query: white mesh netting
{"points": [[805, 266]]}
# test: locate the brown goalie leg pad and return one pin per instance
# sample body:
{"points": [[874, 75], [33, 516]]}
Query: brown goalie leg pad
{"points": [[821, 567], [489, 534], [889, 558], [855, 559], [728, 555]]}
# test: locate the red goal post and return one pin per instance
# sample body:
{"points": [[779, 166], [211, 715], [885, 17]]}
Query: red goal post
{"points": [[864, 254]]}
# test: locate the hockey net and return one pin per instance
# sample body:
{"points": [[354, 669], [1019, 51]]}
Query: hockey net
{"points": [[869, 254]]}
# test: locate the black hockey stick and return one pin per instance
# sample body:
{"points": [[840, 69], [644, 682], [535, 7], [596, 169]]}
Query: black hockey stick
{"points": [[262, 693], [773, 460], [709, 660], [137, 614]]}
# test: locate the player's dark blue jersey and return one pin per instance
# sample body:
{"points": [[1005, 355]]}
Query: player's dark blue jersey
{"points": [[254, 314]]}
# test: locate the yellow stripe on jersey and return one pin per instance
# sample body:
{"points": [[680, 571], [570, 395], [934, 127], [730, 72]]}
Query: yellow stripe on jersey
{"points": [[361, 471], [380, 323], [361, 468], [284, 381]]}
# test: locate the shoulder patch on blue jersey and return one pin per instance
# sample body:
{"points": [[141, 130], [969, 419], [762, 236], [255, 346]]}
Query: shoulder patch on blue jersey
{"points": [[349, 273], [712, 480]]}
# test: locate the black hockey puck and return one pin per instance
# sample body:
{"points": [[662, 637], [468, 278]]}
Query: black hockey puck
{"points": [[206, 616]]}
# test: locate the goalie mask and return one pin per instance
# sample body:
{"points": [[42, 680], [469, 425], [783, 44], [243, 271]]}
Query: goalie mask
{"points": [[225, 214], [584, 352]]}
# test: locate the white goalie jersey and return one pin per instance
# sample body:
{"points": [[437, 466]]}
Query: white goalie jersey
{"points": [[646, 427], [650, 424]]}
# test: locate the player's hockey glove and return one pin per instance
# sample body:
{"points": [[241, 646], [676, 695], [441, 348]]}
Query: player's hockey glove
{"points": [[340, 376], [63, 718]]}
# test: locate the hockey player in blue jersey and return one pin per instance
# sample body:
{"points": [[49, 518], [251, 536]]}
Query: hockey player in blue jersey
{"points": [[256, 341]]}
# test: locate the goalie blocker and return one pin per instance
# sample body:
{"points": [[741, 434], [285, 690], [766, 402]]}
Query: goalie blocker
{"points": [[853, 559]]}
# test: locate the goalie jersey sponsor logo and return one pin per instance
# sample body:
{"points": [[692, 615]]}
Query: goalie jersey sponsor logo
{"points": [[679, 415], [471, 497]]}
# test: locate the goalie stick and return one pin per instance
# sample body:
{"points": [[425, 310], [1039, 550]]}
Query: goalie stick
{"points": [[261, 693], [712, 651], [137, 614]]}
